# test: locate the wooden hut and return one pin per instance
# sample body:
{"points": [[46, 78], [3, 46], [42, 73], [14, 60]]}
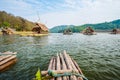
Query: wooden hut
{"points": [[67, 31], [88, 31], [62, 67], [7, 31], [40, 28], [115, 31], [6, 60]]}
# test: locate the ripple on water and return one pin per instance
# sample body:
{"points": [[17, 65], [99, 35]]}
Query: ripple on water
{"points": [[98, 55]]}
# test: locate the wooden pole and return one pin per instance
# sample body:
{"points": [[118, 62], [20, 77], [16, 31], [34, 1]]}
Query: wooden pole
{"points": [[52, 67], [58, 66], [50, 64], [74, 67], [69, 65], [64, 67]]}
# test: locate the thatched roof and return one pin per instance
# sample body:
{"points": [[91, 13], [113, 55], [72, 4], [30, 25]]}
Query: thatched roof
{"points": [[42, 26], [7, 31], [88, 31], [115, 31]]}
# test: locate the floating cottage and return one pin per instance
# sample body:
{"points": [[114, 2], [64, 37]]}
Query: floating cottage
{"points": [[115, 31], [7, 31], [88, 31], [67, 32], [61, 67], [6, 60], [40, 29]]}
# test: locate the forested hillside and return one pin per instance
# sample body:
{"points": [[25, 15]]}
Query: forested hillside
{"points": [[106, 26], [16, 22]]}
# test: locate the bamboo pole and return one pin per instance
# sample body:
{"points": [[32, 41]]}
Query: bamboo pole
{"points": [[64, 67], [53, 67], [50, 64], [58, 66], [77, 66], [74, 67], [69, 65]]}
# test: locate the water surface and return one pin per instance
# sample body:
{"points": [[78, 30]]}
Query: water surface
{"points": [[97, 55]]}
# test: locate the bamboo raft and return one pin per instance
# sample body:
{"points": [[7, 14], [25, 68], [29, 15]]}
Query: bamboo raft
{"points": [[61, 64], [6, 60]]}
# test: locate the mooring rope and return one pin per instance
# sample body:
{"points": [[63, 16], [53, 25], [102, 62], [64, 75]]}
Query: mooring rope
{"points": [[51, 73]]}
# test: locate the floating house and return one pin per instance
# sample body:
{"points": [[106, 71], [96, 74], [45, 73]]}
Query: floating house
{"points": [[115, 31], [67, 32], [88, 31], [40, 28], [7, 31]]}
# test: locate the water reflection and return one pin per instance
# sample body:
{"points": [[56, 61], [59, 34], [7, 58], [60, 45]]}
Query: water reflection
{"points": [[7, 39]]}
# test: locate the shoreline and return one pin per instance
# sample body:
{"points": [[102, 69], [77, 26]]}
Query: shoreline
{"points": [[27, 33]]}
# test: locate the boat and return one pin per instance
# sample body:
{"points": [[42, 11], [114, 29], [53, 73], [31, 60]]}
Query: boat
{"points": [[61, 67], [7, 59], [67, 32]]}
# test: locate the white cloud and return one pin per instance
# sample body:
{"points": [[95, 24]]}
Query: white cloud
{"points": [[54, 13], [91, 12]]}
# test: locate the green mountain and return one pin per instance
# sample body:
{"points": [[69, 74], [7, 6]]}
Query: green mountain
{"points": [[61, 28], [106, 26], [16, 22]]}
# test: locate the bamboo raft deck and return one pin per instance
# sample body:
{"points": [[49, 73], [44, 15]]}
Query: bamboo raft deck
{"points": [[63, 63], [6, 60]]}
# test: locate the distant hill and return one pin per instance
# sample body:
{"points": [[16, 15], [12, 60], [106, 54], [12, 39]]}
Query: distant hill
{"points": [[61, 28], [106, 26], [16, 22]]}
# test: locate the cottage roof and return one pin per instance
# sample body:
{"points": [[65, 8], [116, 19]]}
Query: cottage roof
{"points": [[42, 26]]}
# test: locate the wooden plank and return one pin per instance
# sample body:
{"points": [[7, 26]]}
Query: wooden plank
{"points": [[7, 60], [4, 57], [7, 65], [9, 53]]}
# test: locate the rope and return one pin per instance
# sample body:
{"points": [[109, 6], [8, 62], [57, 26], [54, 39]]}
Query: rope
{"points": [[51, 73]]}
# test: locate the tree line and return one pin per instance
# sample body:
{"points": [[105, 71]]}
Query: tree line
{"points": [[18, 23], [106, 26]]}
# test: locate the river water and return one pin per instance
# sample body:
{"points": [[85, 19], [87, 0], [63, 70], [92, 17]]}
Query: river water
{"points": [[97, 55]]}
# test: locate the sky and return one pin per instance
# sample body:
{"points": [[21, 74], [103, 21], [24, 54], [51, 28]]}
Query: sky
{"points": [[63, 12]]}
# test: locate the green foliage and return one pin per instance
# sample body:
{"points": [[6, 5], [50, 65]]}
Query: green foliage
{"points": [[6, 24], [16, 22]]}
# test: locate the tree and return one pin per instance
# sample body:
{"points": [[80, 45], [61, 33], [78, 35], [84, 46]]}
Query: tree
{"points": [[6, 24]]}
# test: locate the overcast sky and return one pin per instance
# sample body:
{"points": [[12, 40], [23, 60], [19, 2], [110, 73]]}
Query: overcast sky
{"points": [[59, 12]]}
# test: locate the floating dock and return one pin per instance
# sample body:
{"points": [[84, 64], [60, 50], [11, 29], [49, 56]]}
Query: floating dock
{"points": [[63, 67], [7, 59]]}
